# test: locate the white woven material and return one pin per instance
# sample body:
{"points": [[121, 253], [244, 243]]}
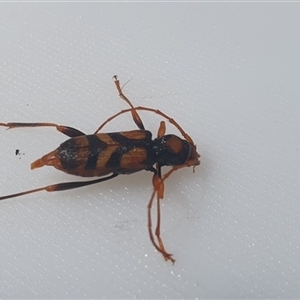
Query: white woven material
{"points": [[229, 74]]}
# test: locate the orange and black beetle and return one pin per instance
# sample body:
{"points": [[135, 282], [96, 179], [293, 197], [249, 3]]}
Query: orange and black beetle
{"points": [[116, 153]]}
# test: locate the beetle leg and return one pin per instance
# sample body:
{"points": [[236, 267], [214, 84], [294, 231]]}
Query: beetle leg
{"points": [[158, 184], [69, 131], [162, 129], [60, 186], [159, 191], [136, 118], [171, 120], [156, 111], [159, 188]]}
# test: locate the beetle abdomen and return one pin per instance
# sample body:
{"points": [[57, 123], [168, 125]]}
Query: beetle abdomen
{"points": [[101, 154]]}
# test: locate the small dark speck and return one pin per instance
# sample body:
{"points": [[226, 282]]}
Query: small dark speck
{"points": [[17, 152]]}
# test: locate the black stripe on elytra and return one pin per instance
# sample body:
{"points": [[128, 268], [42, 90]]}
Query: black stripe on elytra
{"points": [[96, 146], [115, 158], [126, 144], [67, 154]]}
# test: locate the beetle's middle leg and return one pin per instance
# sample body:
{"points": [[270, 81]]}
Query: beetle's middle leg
{"points": [[136, 118], [69, 131]]}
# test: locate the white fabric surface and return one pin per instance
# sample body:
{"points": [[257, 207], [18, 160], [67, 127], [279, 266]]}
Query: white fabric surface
{"points": [[229, 74]]}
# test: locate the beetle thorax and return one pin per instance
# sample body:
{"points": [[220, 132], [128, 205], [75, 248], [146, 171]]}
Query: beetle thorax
{"points": [[170, 150]]}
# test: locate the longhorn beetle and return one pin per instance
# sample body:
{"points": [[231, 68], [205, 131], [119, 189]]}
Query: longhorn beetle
{"points": [[112, 154]]}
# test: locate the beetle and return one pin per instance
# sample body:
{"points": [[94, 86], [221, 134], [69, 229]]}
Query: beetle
{"points": [[107, 155]]}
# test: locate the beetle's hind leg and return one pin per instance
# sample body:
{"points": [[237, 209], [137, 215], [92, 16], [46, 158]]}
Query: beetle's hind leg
{"points": [[60, 186], [69, 131]]}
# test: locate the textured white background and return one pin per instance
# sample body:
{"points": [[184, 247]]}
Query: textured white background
{"points": [[229, 74]]}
